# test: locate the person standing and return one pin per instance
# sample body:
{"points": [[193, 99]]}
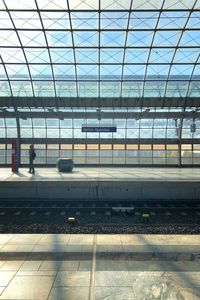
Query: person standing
{"points": [[32, 156]]}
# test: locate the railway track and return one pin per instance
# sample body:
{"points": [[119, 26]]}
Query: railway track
{"points": [[44, 216], [129, 211], [98, 205]]}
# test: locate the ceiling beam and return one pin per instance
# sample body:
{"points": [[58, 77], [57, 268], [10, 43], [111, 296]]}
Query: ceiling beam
{"points": [[93, 10], [101, 115], [141, 141], [36, 102]]}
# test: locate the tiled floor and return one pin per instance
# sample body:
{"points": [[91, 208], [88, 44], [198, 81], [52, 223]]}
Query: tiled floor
{"points": [[127, 267], [104, 174]]}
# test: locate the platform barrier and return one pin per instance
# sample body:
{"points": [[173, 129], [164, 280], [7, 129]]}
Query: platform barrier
{"points": [[104, 190]]}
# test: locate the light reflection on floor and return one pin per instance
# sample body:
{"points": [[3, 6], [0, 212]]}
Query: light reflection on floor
{"points": [[64, 266]]}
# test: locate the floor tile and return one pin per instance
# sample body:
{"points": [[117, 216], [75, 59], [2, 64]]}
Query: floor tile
{"points": [[54, 239], [108, 239], [71, 293], [36, 288], [9, 248], [2, 288], [110, 265], [109, 248], [79, 278], [81, 239], [188, 280], [105, 173], [73, 248], [5, 277], [190, 294], [49, 248], [155, 286], [4, 238], [127, 266], [114, 293], [85, 265], [12, 265], [24, 238], [69, 265], [25, 248], [50, 265], [86, 248], [37, 273], [31, 265], [111, 278]]}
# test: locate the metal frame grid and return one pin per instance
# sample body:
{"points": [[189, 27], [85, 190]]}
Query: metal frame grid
{"points": [[84, 48]]}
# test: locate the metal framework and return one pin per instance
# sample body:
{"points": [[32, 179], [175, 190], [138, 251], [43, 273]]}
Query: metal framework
{"points": [[83, 49], [91, 102], [136, 61], [105, 115], [97, 141]]}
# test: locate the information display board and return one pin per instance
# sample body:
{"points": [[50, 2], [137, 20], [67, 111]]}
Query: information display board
{"points": [[99, 129]]}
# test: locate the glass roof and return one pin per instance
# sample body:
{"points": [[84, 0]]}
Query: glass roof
{"points": [[107, 48]]}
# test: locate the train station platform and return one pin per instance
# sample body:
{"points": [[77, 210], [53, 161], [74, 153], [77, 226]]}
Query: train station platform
{"points": [[103, 183], [88, 267]]}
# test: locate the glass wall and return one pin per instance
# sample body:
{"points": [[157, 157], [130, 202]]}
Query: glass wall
{"points": [[72, 129], [136, 142], [110, 154]]}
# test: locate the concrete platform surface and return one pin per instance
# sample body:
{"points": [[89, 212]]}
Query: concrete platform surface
{"points": [[103, 174], [64, 266], [102, 184]]}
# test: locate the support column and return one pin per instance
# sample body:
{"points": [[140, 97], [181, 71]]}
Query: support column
{"points": [[180, 138], [18, 138]]}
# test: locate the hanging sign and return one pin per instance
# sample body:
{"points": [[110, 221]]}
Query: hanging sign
{"points": [[99, 128]]}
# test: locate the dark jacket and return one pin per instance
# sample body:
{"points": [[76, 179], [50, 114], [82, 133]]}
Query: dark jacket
{"points": [[32, 154]]}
